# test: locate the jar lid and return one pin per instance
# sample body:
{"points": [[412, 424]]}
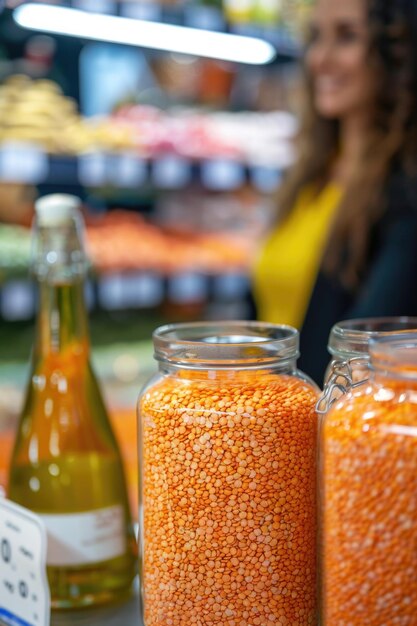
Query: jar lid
{"points": [[225, 344], [351, 338]]}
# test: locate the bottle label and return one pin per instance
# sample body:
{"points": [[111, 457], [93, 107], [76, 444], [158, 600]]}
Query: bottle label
{"points": [[85, 538]]}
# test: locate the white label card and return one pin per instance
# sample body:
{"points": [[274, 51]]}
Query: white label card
{"points": [[24, 591]]}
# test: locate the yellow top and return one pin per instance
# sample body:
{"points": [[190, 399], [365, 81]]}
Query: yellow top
{"points": [[287, 267]]}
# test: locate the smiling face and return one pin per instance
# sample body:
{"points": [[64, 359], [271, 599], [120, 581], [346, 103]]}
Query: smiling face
{"points": [[338, 59]]}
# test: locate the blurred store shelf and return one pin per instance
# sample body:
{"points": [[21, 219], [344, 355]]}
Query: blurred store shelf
{"points": [[30, 165], [44, 139], [139, 291]]}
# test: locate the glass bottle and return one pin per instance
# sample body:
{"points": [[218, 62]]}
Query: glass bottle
{"points": [[66, 466], [227, 434], [368, 510], [349, 343]]}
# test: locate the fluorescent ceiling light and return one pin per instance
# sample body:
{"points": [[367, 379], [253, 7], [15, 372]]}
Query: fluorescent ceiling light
{"points": [[197, 42]]}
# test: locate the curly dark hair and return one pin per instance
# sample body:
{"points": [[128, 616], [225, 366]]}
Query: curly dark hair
{"points": [[391, 141]]}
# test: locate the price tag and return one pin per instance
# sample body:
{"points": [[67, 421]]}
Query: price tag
{"points": [[266, 179], [187, 288], [222, 174], [24, 591], [171, 172], [147, 290], [18, 300], [23, 163], [121, 291], [127, 171], [204, 17], [92, 169], [231, 286]]}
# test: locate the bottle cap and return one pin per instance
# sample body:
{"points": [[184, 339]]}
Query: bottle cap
{"points": [[58, 246], [57, 209]]}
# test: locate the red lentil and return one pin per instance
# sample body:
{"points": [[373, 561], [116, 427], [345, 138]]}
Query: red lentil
{"points": [[369, 509], [229, 467]]}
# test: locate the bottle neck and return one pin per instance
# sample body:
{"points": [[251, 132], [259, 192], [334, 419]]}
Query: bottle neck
{"points": [[59, 265], [62, 326]]}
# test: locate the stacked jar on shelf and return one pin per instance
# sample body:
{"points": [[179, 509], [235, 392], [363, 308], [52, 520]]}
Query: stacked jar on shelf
{"points": [[368, 458]]}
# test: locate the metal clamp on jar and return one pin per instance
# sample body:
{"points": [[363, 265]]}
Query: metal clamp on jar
{"points": [[368, 504], [349, 347]]}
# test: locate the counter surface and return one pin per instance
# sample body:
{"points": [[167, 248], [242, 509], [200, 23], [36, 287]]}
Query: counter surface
{"points": [[126, 614]]}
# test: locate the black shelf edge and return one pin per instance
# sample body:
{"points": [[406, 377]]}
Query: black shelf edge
{"points": [[128, 171], [133, 290]]}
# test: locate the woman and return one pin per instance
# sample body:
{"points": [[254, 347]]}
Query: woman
{"points": [[346, 242]]}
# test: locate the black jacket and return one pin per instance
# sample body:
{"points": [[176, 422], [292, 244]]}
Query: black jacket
{"points": [[388, 287]]}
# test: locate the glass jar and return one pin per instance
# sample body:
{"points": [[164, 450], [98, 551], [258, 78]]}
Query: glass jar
{"points": [[349, 348], [228, 434], [368, 509]]}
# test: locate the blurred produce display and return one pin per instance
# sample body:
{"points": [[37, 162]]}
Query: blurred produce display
{"points": [[36, 112], [122, 241], [16, 203], [14, 249], [248, 137], [244, 212], [290, 14]]}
